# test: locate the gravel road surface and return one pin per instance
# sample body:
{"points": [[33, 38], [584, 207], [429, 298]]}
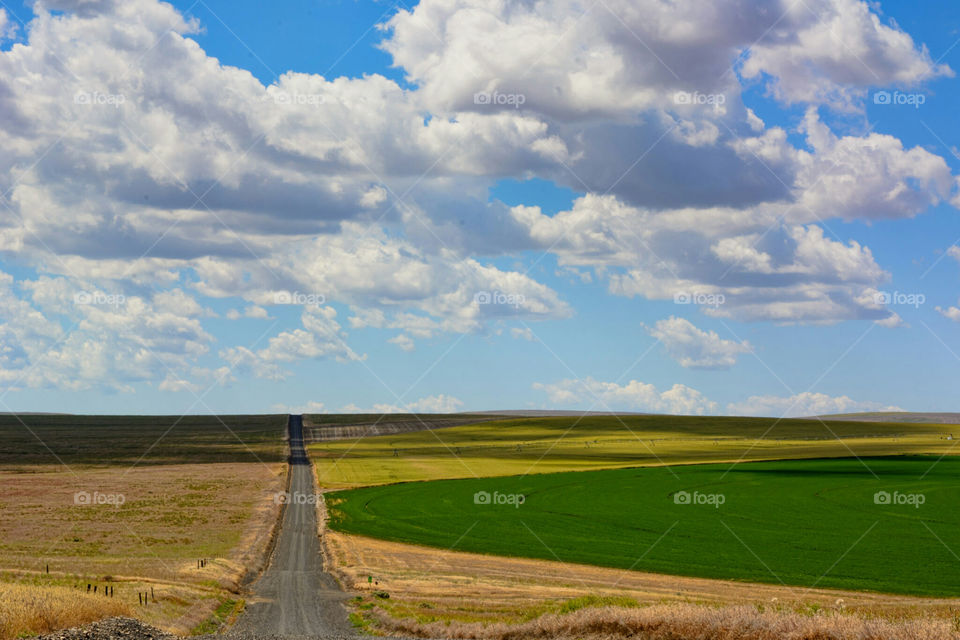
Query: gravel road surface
{"points": [[295, 596]]}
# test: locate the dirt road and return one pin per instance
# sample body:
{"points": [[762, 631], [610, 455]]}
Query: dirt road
{"points": [[295, 596]]}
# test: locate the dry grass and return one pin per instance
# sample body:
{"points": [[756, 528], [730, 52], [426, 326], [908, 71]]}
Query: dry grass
{"points": [[33, 610], [192, 487], [435, 593], [171, 515], [485, 588], [687, 621]]}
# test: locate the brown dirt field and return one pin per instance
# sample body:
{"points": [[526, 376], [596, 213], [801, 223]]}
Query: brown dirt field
{"points": [[431, 584]]}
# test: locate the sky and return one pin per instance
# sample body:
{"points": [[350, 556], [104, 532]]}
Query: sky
{"points": [[742, 207]]}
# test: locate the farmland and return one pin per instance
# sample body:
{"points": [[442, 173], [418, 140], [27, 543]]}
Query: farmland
{"points": [[133, 503], [805, 523], [519, 446]]}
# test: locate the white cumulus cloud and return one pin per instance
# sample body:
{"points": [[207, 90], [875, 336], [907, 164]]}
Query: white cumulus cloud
{"points": [[694, 348]]}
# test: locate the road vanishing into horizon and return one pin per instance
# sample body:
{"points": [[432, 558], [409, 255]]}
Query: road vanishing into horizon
{"points": [[295, 596]]}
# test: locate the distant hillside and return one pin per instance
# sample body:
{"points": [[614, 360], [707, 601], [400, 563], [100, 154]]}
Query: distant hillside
{"points": [[547, 413], [896, 416]]}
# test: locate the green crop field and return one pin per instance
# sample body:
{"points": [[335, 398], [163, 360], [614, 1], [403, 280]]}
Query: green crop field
{"points": [[518, 446], [805, 523]]}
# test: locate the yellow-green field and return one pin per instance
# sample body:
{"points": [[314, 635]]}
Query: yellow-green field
{"points": [[545, 445]]}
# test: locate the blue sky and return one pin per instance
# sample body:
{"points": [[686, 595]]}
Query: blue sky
{"points": [[174, 173]]}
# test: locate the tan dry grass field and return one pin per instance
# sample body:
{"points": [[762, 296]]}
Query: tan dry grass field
{"points": [[688, 622], [106, 517], [171, 516], [31, 609], [430, 584]]}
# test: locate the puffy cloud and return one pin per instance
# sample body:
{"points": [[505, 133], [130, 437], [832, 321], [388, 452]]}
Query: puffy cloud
{"points": [[311, 406], [8, 28], [694, 348], [72, 335], [643, 94], [320, 337], [153, 157], [803, 404], [440, 403], [951, 313], [435, 404], [525, 333], [571, 61], [170, 174], [251, 311], [417, 325], [634, 395], [829, 51], [391, 283], [870, 177], [723, 259], [403, 341]]}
